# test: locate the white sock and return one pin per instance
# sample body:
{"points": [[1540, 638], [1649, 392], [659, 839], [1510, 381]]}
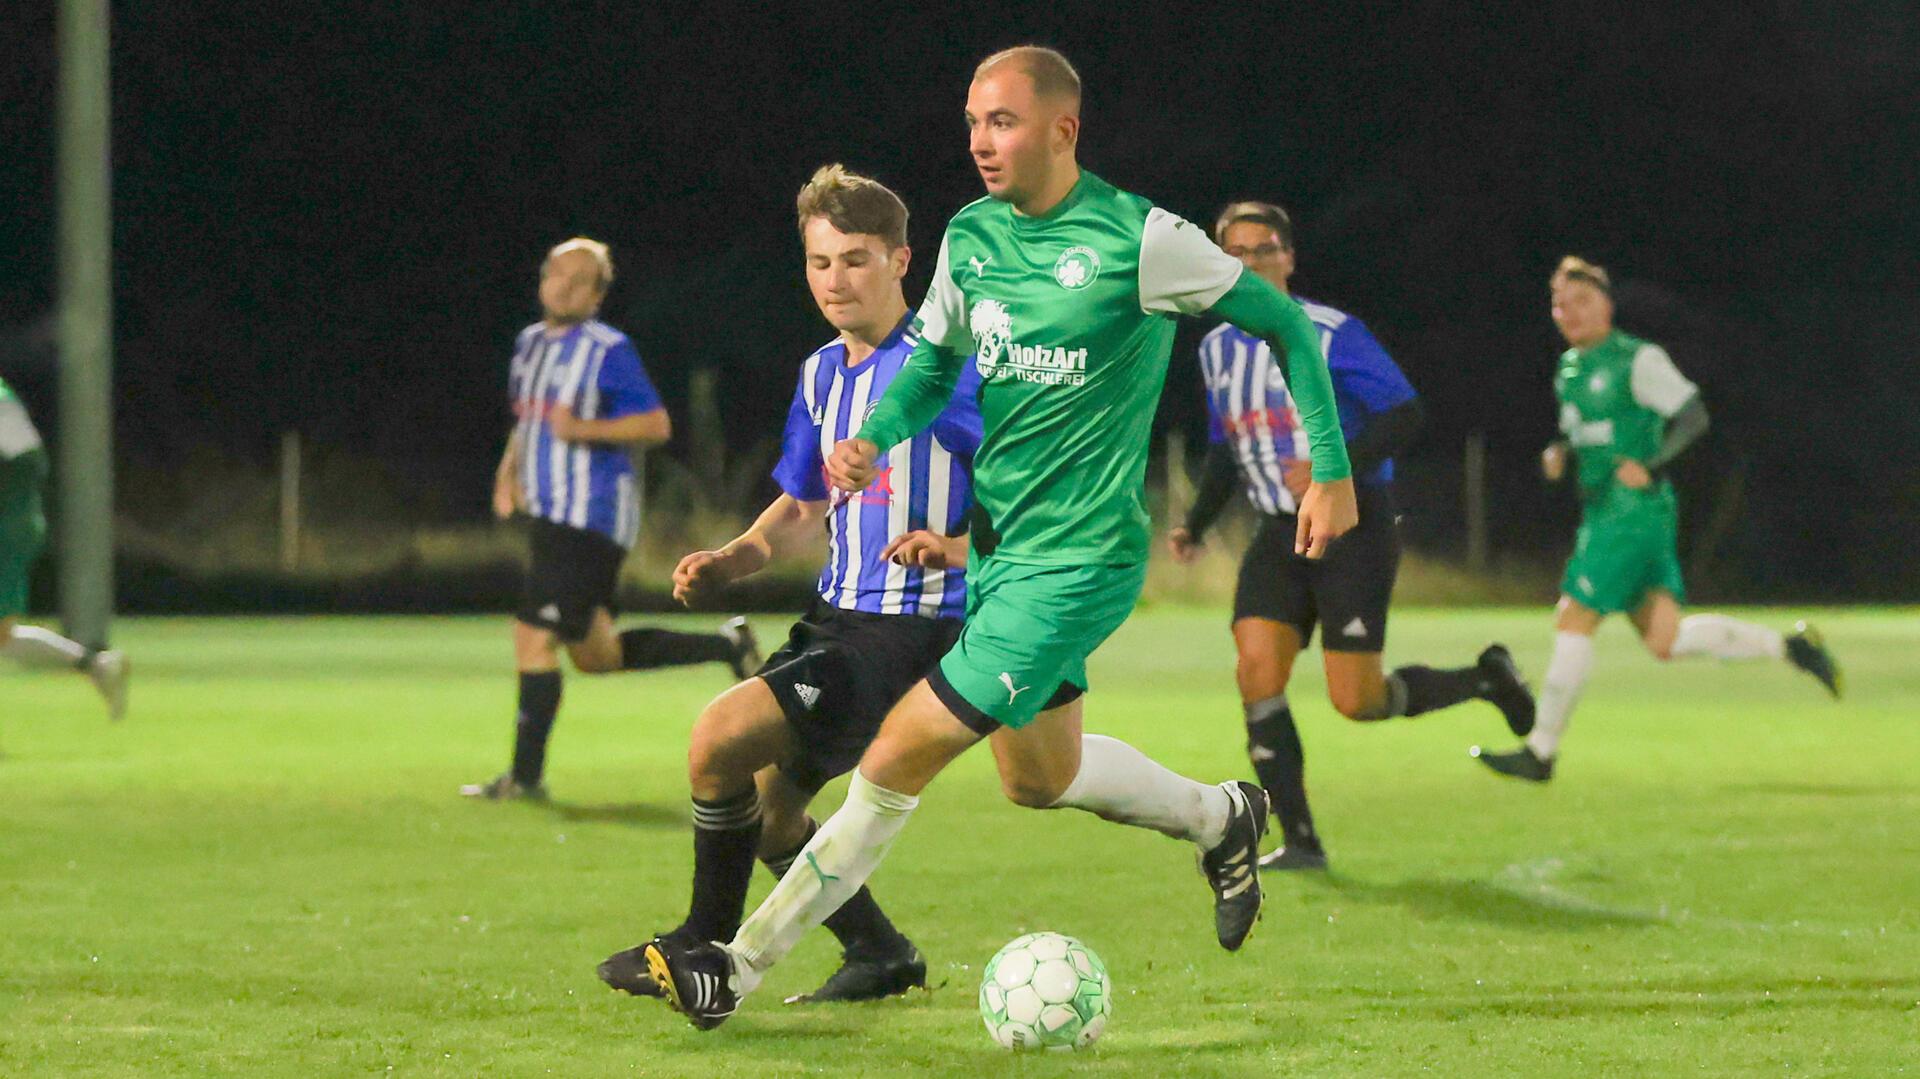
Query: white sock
{"points": [[36, 647], [830, 868], [1119, 783], [1566, 676], [1726, 638]]}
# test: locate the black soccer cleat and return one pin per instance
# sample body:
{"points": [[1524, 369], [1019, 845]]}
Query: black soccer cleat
{"points": [[1295, 856], [870, 978], [627, 971], [696, 978], [746, 647], [1231, 868], [1507, 689], [504, 788], [1520, 764], [1807, 650]]}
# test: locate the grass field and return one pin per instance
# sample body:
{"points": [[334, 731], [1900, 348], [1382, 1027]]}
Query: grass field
{"points": [[265, 871]]}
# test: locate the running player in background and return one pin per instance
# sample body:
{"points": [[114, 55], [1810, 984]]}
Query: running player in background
{"points": [[1256, 438], [582, 403], [23, 530], [1064, 288], [890, 599], [1627, 413]]}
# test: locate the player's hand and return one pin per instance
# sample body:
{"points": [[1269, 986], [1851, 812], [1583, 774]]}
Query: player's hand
{"points": [[1327, 511], [1298, 476], [506, 498], [1182, 546], [850, 466], [697, 576], [564, 424], [1633, 475], [923, 548], [1553, 461]]}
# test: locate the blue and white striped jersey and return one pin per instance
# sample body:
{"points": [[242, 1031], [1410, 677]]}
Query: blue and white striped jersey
{"points": [[924, 482], [1248, 404], [593, 370]]}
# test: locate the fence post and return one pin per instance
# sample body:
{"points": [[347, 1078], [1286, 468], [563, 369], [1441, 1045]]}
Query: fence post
{"points": [[1474, 484], [289, 501]]}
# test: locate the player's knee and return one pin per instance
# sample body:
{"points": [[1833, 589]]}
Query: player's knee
{"points": [[592, 661], [1660, 650], [1356, 705], [709, 749], [1031, 791]]}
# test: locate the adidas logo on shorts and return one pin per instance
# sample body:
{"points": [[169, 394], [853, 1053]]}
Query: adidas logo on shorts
{"points": [[809, 695], [1355, 628]]}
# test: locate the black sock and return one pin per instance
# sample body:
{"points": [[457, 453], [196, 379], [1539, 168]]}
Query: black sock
{"points": [[1428, 688], [539, 703], [1280, 762], [725, 835], [644, 648], [861, 927]]}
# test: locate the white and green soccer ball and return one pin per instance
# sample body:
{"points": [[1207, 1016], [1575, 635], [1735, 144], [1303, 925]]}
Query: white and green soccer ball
{"points": [[1045, 991]]}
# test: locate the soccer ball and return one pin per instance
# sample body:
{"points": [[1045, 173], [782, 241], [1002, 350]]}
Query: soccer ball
{"points": [[1045, 991]]}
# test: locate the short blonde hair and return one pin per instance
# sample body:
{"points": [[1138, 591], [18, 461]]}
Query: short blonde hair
{"points": [[602, 256], [1575, 268], [1260, 213], [854, 204], [1052, 74]]}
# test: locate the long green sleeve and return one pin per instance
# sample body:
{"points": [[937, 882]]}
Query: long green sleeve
{"points": [[914, 400], [1265, 312]]}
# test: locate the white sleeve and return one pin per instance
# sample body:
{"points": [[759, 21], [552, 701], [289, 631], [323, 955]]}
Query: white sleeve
{"points": [[1657, 383], [1182, 272], [943, 313], [17, 433]]}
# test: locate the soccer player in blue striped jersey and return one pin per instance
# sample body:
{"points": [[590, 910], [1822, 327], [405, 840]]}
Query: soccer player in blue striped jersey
{"points": [[1257, 438], [581, 402], [891, 595]]}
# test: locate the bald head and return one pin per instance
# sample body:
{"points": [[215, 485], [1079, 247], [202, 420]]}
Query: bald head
{"points": [[1054, 79]]}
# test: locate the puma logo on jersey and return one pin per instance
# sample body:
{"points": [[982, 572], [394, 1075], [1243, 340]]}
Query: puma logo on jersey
{"points": [[1013, 694], [979, 264]]}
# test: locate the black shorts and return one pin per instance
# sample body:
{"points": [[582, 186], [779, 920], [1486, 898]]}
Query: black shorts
{"points": [[838, 676], [570, 573], [1346, 592]]}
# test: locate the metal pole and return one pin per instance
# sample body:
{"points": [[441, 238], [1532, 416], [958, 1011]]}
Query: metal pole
{"points": [[290, 501], [86, 323], [1475, 483]]}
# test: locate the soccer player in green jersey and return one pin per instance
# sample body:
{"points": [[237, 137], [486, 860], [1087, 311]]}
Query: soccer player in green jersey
{"points": [[1626, 413], [1063, 288], [23, 530]]}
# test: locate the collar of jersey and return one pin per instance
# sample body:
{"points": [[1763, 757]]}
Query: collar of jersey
{"points": [[1612, 337], [840, 364], [1022, 222]]}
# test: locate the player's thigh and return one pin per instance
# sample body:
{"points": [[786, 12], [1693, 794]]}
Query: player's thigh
{"points": [[599, 651], [1039, 761], [736, 735], [1356, 684], [534, 648], [919, 737], [1658, 621], [1264, 651], [1353, 584]]}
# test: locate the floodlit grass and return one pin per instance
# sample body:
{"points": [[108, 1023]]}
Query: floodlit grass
{"points": [[265, 871]]}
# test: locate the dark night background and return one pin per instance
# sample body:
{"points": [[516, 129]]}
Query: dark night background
{"points": [[330, 221]]}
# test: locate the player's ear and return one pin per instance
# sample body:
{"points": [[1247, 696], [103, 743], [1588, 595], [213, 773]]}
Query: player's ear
{"points": [[1066, 133], [901, 257]]}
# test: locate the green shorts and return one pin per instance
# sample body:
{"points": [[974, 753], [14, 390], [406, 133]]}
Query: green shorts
{"points": [[1619, 558], [21, 536], [1029, 631]]}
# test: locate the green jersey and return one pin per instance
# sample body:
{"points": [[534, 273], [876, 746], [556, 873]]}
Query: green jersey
{"points": [[1615, 399], [23, 463], [1069, 317]]}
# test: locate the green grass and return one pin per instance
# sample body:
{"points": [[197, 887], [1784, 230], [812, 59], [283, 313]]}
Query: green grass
{"points": [[265, 871]]}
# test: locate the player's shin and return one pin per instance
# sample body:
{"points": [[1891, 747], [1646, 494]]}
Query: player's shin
{"points": [[1726, 638], [860, 926], [726, 832], [1119, 783], [533, 724], [1566, 677], [831, 868], [1280, 762]]}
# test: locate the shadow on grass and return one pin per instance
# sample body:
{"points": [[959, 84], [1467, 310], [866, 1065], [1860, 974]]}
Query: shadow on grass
{"points": [[1480, 901], [633, 814]]}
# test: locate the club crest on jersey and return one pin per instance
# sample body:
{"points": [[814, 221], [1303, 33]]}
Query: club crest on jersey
{"points": [[999, 357], [1076, 268]]}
